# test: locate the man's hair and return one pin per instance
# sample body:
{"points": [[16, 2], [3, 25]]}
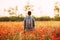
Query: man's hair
{"points": [[29, 12]]}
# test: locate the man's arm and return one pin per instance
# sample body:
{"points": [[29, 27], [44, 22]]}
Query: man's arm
{"points": [[33, 23], [24, 24]]}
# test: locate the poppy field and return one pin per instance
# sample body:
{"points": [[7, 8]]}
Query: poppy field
{"points": [[44, 30]]}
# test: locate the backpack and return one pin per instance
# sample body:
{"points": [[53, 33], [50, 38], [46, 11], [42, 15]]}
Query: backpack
{"points": [[29, 22]]}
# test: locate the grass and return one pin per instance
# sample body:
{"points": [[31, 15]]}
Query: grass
{"points": [[44, 30]]}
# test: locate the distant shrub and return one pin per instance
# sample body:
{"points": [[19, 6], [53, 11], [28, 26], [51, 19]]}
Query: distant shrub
{"points": [[57, 18], [44, 18]]}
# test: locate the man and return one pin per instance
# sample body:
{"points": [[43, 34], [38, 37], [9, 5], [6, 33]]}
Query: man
{"points": [[29, 22]]}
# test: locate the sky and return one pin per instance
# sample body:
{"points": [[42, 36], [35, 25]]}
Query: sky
{"points": [[40, 7]]}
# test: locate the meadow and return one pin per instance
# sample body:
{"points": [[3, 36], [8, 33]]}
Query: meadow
{"points": [[44, 30]]}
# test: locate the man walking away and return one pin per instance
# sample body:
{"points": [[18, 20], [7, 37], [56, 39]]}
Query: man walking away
{"points": [[29, 23]]}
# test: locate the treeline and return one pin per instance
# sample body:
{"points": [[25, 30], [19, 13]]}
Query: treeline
{"points": [[47, 18], [13, 18], [44, 18]]}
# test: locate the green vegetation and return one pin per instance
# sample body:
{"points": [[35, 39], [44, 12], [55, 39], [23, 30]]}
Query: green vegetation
{"points": [[12, 18], [44, 18]]}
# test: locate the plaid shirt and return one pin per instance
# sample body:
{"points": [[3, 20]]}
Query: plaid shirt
{"points": [[25, 28]]}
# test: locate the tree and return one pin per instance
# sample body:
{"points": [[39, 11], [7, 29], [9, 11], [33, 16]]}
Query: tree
{"points": [[28, 7], [56, 8], [12, 11]]}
